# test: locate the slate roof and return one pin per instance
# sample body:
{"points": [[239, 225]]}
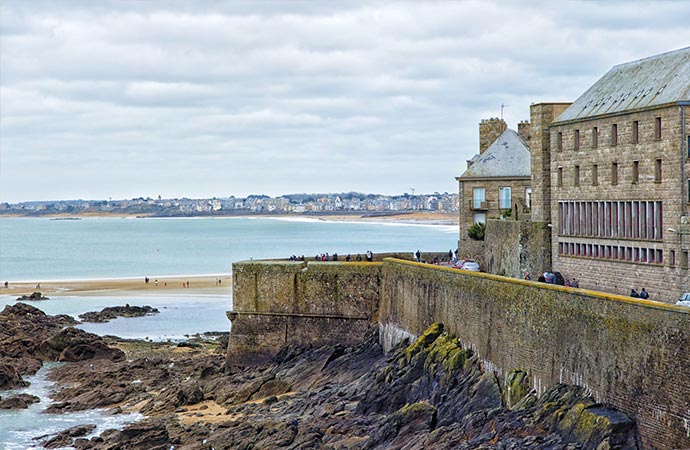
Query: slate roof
{"points": [[653, 81], [508, 156]]}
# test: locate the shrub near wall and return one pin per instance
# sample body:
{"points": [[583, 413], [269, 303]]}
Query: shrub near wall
{"points": [[632, 354]]}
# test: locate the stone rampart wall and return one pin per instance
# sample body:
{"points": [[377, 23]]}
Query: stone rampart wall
{"points": [[278, 303], [630, 353]]}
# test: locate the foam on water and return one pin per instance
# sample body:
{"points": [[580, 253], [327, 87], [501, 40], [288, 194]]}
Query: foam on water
{"points": [[18, 428]]}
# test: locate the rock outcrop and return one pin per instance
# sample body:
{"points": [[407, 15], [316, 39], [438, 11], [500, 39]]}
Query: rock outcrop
{"points": [[19, 401], [113, 312], [430, 394], [33, 296], [28, 337]]}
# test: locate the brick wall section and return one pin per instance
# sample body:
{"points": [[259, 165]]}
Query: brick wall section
{"points": [[631, 354], [666, 280]]}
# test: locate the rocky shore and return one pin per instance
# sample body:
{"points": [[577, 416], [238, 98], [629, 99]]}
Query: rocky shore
{"points": [[429, 394]]}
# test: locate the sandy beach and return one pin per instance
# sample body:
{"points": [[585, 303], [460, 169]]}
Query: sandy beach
{"points": [[213, 284]]}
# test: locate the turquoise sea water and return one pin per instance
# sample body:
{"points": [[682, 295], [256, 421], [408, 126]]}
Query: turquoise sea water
{"points": [[42, 249], [37, 249]]}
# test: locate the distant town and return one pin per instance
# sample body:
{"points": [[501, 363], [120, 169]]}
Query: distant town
{"points": [[317, 204]]}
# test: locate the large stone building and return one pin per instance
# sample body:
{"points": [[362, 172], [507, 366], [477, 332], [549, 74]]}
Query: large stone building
{"points": [[497, 180], [609, 180], [618, 179]]}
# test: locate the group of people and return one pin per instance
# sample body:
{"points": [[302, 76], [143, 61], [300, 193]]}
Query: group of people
{"points": [[555, 278], [452, 257], [642, 294], [369, 255]]}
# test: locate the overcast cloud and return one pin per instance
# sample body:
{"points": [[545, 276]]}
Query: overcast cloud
{"points": [[127, 98]]}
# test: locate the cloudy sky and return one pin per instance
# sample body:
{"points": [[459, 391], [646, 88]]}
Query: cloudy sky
{"points": [[124, 99]]}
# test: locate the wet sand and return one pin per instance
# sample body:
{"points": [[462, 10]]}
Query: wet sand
{"points": [[131, 286]]}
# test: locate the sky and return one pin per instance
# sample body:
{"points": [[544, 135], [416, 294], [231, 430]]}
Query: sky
{"points": [[123, 99]]}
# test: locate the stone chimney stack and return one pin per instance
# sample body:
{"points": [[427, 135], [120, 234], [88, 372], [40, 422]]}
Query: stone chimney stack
{"points": [[524, 130], [489, 131]]}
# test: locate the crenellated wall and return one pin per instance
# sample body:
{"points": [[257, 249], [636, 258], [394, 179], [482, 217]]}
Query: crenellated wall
{"points": [[632, 354]]}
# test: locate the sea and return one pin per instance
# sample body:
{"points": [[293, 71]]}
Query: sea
{"points": [[94, 248]]}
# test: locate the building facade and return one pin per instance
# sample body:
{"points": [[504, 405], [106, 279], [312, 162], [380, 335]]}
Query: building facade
{"points": [[497, 180], [617, 196]]}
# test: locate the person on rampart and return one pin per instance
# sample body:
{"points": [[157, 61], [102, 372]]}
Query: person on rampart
{"points": [[370, 256], [644, 294], [634, 294]]}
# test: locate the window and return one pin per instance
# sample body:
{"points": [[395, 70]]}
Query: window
{"points": [[657, 128], [576, 139], [672, 258], [614, 134], [504, 200], [528, 197], [559, 181], [614, 173], [478, 198], [595, 137], [636, 172], [559, 141], [636, 132], [479, 217], [595, 174], [657, 170], [684, 259], [576, 176]]}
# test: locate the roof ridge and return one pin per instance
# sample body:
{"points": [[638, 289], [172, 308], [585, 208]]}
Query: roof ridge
{"points": [[647, 58]]}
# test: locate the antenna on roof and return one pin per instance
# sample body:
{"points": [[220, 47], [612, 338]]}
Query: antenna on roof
{"points": [[503, 105]]}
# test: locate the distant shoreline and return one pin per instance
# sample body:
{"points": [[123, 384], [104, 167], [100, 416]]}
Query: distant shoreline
{"points": [[419, 217]]}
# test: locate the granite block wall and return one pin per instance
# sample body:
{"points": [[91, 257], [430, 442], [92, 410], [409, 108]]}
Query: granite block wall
{"points": [[278, 303], [630, 353]]}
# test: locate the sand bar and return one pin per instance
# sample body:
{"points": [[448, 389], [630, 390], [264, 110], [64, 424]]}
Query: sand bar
{"points": [[209, 284]]}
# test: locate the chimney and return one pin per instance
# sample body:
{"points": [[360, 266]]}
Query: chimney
{"points": [[524, 130], [489, 131]]}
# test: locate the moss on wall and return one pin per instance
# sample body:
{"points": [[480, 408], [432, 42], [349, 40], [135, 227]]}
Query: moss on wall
{"points": [[616, 346]]}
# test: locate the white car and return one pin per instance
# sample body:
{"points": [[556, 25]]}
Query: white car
{"points": [[684, 300], [471, 266]]}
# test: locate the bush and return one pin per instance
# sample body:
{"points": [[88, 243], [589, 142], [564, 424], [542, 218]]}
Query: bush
{"points": [[507, 213], [477, 231]]}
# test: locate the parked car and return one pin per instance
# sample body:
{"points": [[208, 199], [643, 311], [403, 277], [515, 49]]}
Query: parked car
{"points": [[684, 300], [471, 266]]}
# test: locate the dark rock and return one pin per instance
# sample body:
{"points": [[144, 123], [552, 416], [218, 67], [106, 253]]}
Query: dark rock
{"points": [[10, 378], [66, 437], [72, 344], [112, 312], [34, 296], [20, 401], [430, 394]]}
